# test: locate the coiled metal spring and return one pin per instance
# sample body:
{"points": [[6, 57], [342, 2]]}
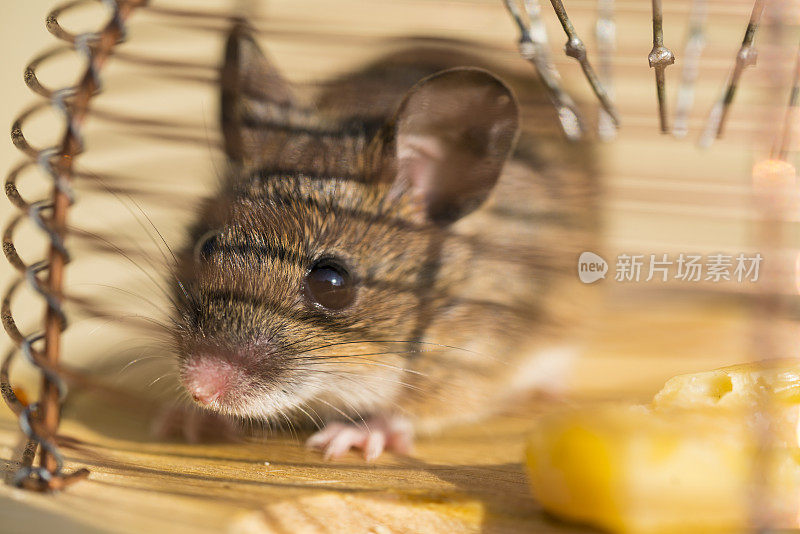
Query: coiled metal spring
{"points": [[39, 420]]}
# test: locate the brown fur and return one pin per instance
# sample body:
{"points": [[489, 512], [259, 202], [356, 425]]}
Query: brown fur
{"points": [[445, 313]]}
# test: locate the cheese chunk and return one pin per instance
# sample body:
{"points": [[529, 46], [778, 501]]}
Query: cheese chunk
{"points": [[696, 460]]}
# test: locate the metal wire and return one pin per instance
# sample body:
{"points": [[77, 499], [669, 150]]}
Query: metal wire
{"points": [[695, 42], [744, 58], [790, 115], [606, 35], [533, 46], [576, 49], [39, 420], [660, 58]]}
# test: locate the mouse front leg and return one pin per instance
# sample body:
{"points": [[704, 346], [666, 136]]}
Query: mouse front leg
{"points": [[373, 436]]}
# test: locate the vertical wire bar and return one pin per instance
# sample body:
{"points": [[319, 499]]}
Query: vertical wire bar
{"points": [[790, 115], [575, 48], [39, 420], [660, 58], [774, 187], [605, 32], [695, 42], [533, 47], [70, 147], [746, 57]]}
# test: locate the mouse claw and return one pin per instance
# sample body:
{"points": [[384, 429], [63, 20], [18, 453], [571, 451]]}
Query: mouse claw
{"points": [[375, 444], [373, 437]]}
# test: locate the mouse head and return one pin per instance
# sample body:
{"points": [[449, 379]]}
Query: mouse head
{"points": [[308, 287]]}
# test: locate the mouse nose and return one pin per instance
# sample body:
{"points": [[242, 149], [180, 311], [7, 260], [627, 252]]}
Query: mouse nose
{"points": [[208, 379], [206, 393]]}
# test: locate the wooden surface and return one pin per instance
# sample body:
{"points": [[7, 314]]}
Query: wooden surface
{"points": [[469, 479], [662, 196]]}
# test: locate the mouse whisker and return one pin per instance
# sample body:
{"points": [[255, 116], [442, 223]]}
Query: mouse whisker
{"points": [[125, 255], [140, 359], [311, 408], [153, 383], [124, 291], [288, 346], [292, 429], [170, 266], [128, 318], [368, 362], [299, 407], [344, 358], [335, 359], [340, 412], [364, 354], [318, 425], [411, 341], [156, 230], [359, 379]]}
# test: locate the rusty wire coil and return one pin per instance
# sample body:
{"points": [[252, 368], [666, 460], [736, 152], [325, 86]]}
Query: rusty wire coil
{"points": [[41, 348]]}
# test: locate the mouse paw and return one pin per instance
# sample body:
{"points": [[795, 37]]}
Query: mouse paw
{"points": [[373, 437], [193, 425]]}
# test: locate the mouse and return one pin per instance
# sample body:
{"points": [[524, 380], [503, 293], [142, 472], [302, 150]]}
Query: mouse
{"points": [[387, 258]]}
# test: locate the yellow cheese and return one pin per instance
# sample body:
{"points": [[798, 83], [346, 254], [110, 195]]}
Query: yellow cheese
{"points": [[691, 462], [756, 392], [737, 386]]}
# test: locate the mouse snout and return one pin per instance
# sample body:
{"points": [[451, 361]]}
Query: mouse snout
{"points": [[209, 378]]}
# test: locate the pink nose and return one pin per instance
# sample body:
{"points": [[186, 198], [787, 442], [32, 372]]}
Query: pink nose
{"points": [[208, 378], [206, 393]]}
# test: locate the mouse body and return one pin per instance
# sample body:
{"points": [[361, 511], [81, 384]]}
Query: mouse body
{"points": [[391, 257]]}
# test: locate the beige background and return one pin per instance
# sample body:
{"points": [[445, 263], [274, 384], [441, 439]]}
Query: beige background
{"points": [[23, 34], [663, 195]]}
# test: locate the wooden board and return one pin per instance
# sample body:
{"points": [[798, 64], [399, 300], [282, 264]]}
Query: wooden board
{"points": [[662, 196], [469, 479]]}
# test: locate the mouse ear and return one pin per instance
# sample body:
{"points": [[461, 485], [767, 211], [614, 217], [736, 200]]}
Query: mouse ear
{"points": [[254, 96], [451, 136]]}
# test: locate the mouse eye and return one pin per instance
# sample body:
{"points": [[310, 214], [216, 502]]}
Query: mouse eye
{"points": [[207, 245], [329, 285]]}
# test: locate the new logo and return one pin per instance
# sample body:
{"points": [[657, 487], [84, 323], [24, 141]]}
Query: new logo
{"points": [[591, 267]]}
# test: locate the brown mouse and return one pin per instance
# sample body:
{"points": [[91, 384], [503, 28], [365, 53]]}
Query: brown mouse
{"points": [[389, 259]]}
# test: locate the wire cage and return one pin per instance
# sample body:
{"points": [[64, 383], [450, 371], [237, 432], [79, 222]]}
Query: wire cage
{"points": [[689, 110]]}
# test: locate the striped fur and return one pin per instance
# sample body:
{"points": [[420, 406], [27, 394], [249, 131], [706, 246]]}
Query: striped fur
{"points": [[444, 314]]}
